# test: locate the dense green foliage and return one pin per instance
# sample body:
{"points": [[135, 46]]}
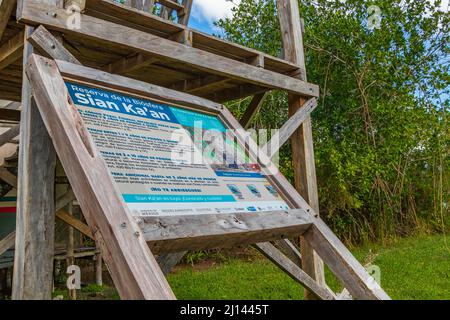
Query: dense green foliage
{"points": [[380, 132]]}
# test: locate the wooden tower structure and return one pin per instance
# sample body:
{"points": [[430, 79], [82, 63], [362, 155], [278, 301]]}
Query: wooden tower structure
{"points": [[145, 47]]}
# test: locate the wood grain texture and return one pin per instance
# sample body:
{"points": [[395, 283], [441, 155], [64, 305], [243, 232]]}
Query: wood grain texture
{"points": [[133, 268], [134, 86], [44, 42], [184, 15], [290, 127], [198, 232], [252, 109], [7, 242], [33, 262], [6, 8], [9, 135], [129, 64], [10, 115], [11, 50], [343, 264], [8, 177], [106, 32], [63, 215]]}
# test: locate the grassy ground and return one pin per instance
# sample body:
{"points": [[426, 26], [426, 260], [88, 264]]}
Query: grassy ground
{"points": [[412, 268]]}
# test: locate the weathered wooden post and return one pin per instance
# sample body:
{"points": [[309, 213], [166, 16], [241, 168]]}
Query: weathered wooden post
{"points": [[302, 141]]}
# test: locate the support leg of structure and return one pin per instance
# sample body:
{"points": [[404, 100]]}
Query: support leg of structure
{"points": [[34, 247]]}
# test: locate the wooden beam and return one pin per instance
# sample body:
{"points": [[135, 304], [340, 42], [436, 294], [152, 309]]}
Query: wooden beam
{"points": [[65, 199], [252, 109], [6, 8], [148, 5], [290, 127], [184, 15], [33, 262], [184, 37], [133, 268], [10, 115], [293, 270], [11, 50], [129, 64], [171, 4], [302, 140], [83, 73], [198, 84], [167, 261], [81, 4], [238, 92], [114, 34], [7, 242], [342, 263], [181, 233], [9, 135], [44, 42], [290, 251], [165, 12], [8, 177], [74, 222]]}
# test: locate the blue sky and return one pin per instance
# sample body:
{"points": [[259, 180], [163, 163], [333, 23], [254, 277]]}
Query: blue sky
{"points": [[205, 12]]}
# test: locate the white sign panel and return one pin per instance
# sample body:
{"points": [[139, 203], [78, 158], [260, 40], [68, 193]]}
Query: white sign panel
{"points": [[168, 160]]}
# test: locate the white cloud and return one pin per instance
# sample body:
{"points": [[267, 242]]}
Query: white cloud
{"points": [[212, 10]]}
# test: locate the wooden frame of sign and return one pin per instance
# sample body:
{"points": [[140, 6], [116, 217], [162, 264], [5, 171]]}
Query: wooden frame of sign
{"points": [[125, 241]]}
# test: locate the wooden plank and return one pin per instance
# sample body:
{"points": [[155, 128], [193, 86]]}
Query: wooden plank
{"points": [[118, 82], [171, 4], [183, 15], [11, 50], [302, 140], [9, 135], [129, 64], [168, 261], [236, 92], [74, 222], [142, 89], [115, 12], [133, 268], [203, 83], [293, 270], [10, 115], [290, 251], [252, 109], [194, 232], [6, 8], [79, 4], [342, 263], [8, 177], [107, 32], [7, 242], [33, 263], [43, 41], [65, 199], [290, 127], [70, 259]]}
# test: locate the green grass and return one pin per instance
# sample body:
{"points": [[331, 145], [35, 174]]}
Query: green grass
{"points": [[412, 268]]}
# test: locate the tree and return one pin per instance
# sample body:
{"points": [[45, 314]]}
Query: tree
{"points": [[380, 132]]}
